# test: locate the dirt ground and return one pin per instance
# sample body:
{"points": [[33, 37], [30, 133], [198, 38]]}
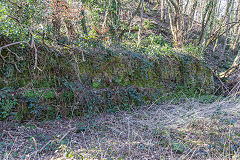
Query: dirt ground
{"points": [[190, 130]]}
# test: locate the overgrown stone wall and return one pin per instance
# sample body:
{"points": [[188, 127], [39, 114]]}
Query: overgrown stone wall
{"points": [[73, 83], [132, 69]]}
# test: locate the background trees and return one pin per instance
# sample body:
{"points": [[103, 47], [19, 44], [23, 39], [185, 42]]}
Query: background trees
{"points": [[59, 18], [207, 29]]}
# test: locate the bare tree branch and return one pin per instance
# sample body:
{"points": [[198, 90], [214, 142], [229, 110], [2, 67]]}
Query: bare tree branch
{"points": [[32, 45]]}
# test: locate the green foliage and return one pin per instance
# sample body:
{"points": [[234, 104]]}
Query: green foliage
{"points": [[153, 40], [26, 104], [183, 93], [147, 24], [33, 93], [178, 147], [68, 152], [50, 95], [37, 104], [193, 50], [112, 100], [7, 103], [21, 18], [96, 84], [209, 98], [151, 44]]}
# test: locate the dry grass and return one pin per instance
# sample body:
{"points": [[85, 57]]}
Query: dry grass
{"points": [[190, 130]]}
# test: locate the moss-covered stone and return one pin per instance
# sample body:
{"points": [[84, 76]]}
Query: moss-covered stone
{"points": [[138, 70], [105, 81]]}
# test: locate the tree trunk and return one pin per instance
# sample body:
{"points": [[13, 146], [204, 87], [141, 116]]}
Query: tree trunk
{"points": [[227, 28], [157, 5], [191, 16], [140, 26], [56, 26], [56, 20], [186, 7], [176, 22], [83, 23], [163, 10], [237, 28], [71, 32], [205, 19]]}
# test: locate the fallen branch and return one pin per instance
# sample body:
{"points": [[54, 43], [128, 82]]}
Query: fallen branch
{"points": [[51, 141], [4, 60], [32, 45], [218, 32], [11, 44], [230, 71]]}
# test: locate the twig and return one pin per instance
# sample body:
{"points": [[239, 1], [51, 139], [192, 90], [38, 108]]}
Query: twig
{"points": [[70, 130], [18, 58], [35, 142], [15, 65], [129, 139], [51, 141], [14, 18], [231, 70], [4, 60], [40, 150], [11, 44], [20, 42]]}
